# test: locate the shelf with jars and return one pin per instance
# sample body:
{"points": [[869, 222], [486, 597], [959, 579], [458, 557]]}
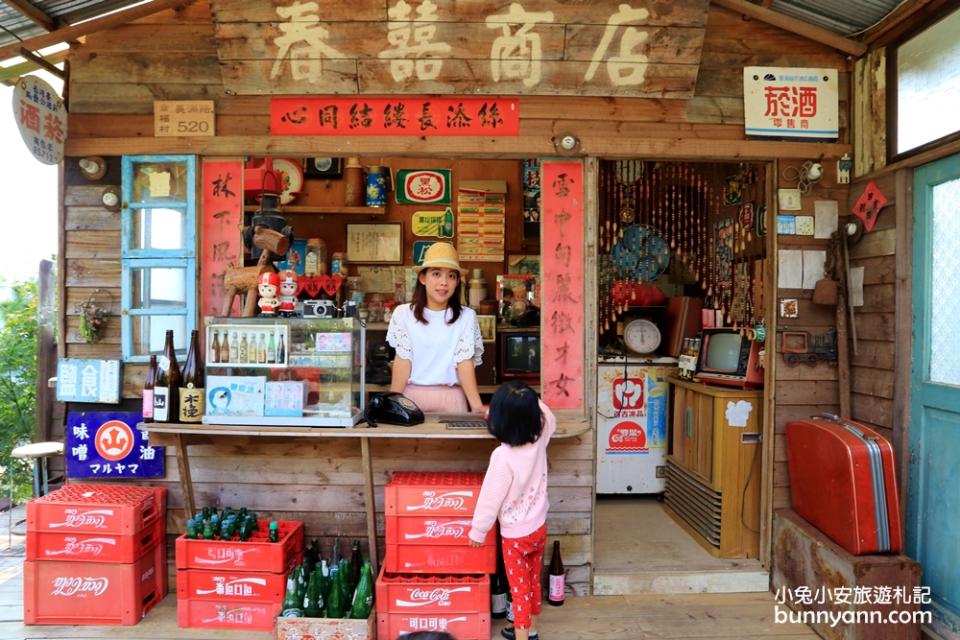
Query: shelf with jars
{"points": [[284, 371]]}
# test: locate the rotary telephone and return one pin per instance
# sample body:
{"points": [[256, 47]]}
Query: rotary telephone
{"points": [[392, 408]]}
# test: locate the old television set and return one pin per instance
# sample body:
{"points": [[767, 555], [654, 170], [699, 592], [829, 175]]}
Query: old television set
{"points": [[520, 356], [729, 358]]}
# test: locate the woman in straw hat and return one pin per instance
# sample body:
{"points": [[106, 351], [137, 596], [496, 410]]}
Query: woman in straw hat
{"points": [[438, 340]]}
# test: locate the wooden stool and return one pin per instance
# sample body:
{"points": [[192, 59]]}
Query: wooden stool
{"points": [[39, 451]]}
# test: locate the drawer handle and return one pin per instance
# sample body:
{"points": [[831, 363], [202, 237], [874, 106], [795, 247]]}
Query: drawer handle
{"points": [[688, 422]]}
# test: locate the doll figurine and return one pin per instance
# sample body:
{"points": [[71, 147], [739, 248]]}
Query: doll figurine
{"points": [[288, 293], [267, 287]]}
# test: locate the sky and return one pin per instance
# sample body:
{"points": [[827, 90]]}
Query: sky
{"points": [[28, 190]]}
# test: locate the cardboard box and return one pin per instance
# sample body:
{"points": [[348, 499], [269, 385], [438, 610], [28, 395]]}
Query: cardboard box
{"points": [[286, 398], [235, 395]]}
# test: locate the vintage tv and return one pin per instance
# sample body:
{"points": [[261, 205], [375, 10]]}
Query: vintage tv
{"points": [[520, 356], [728, 358]]}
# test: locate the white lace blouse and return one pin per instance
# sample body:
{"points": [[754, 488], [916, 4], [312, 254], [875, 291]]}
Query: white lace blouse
{"points": [[435, 348]]}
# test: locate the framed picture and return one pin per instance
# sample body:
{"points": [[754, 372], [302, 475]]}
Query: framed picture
{"points": [[375, 243], [524, 265], [488, 327]]}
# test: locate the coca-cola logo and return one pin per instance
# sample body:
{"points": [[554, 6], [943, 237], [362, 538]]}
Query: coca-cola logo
{"points": [[224, 555], [435, 529], [455, 500], [81, 547], [432, 623], [422, 597], [96, 518], [75, 585]]}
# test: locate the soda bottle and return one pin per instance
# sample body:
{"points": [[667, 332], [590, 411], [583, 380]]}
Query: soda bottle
{"points": [[556, 594], [311, 602], [363, 596], [335, 600], [291, 606], [274, 534], [356, 564], [192, 529], [147, 405]]}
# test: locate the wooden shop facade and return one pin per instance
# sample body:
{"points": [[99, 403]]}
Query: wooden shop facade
{"points": [[646, 174]]}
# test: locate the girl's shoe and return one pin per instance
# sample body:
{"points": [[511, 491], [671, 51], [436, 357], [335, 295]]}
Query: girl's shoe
{"points": [[510, 634]]}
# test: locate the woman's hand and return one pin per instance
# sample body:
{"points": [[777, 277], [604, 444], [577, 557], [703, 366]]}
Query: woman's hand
{"points": [[475, 544]]}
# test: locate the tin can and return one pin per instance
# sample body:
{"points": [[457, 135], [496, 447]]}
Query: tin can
{"points": [[376, 186], [337, 262]]}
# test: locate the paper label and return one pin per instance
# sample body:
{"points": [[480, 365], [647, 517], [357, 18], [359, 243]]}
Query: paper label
{"points": [[556, 588], [147, 410], [161, 404]]}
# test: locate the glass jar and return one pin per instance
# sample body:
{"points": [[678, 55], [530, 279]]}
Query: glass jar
{"points": [[315, 262]]}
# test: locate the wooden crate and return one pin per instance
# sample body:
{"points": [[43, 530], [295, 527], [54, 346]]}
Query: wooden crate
{"points": [[327, 628]]}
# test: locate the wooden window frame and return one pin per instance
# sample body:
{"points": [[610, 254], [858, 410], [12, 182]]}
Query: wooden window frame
{"points": [[132, 258]]}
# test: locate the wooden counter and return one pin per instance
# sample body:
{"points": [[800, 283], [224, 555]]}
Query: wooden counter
{"points": [[179, 435]]}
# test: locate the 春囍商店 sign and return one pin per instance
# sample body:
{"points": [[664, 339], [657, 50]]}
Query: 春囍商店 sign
{"points": [[785, 102]]}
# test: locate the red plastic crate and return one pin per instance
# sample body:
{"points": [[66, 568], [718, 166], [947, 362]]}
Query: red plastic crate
{"points": [[432, 530], [219, 614], [93, 547], [58, 592], [462, 626], [97, 508], [420, 594], [257, 554], [412, 558], [419, 493], [231, 586]]}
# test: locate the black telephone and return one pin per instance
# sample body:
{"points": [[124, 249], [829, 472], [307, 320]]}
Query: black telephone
{"points": [[392, 408]]}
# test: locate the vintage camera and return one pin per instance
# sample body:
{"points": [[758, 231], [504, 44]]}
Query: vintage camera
{"points": [[319, 309]]}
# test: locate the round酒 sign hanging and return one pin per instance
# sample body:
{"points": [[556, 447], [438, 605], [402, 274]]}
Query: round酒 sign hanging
{"points": [[41, 118]]}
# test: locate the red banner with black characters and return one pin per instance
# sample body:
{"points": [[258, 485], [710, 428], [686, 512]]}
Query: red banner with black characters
{"points": [[341, 116], [562, 319]]}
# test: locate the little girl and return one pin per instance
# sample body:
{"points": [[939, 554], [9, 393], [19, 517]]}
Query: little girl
{"points": [[514, 492]]}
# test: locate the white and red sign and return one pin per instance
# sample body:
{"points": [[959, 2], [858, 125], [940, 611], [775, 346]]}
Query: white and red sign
{"points": [[628, 396], [41, 118], [627, 437], [786, 102], [114, 440]]}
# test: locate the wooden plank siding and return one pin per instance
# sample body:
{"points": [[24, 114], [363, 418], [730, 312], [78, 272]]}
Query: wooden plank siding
{"points": [[116, 76]]}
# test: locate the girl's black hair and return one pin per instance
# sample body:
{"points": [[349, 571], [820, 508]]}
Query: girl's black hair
{"points": [[427, 635], [419, 301], [514, 416]]}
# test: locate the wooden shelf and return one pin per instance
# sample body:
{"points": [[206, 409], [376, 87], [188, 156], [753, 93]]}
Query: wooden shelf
{"points": [[483, 388], [315, 209]]}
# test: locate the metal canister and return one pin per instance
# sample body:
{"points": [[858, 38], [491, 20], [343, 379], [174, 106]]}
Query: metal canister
{"points": [[376, 186], [337, 263]]}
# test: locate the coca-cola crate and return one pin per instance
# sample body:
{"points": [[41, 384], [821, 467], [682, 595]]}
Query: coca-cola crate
{"points": [[231, 586], [93, 547], [404, 593], [327, 628], [432, 530], [58, 592], [462, 626], [122, 510], [256, 554], [413, 558], [224, 614], [420, 493]]}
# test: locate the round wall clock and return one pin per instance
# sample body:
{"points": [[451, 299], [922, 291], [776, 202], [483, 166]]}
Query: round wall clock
{"points": [[641, 336]]}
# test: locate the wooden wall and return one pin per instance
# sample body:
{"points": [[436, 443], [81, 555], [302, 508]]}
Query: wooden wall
{"points": [[116, 75]]}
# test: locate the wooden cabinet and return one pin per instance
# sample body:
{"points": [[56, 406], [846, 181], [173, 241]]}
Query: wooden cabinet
{"points": [[713, 470]]}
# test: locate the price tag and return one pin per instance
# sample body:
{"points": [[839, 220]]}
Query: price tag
{"points": [[176, 118]]}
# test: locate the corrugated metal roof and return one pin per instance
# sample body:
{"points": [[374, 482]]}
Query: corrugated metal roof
{"points": [[846, 17], [14, 26]]}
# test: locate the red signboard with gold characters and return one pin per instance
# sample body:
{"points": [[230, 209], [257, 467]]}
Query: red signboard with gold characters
{"points": [[336, 116], [562, 293]]}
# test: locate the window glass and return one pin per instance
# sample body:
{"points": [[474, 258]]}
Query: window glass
{"points": [[944, 267], [159, 228], [159, 287], [160, 182], [928, 85], [149, 333]]}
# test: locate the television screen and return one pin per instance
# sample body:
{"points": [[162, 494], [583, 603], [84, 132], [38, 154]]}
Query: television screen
{"points": [[521, 353], [723, 352]]}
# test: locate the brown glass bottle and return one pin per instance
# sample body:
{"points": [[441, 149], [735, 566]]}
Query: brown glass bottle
{"points": [[192, 391], [165, 405], [147, 407], [224, 348], [556, 595]]}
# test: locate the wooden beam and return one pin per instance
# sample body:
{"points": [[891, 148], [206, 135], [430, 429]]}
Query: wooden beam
{"points": [[90, 26], [10, 75], [799, 27], [607, 146], [34, 14], [903, 18], [41, 62]]}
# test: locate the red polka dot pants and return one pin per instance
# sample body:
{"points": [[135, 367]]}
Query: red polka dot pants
{"points": [[523, 560]]}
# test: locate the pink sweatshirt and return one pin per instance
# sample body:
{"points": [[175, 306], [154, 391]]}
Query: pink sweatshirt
{"points": [[515, 487]]}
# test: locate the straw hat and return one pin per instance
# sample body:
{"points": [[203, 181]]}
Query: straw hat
{"points": [[443, 255]]}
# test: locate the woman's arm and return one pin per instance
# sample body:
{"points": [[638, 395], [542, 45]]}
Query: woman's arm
{"points": [[467, 375], [400, 373]]}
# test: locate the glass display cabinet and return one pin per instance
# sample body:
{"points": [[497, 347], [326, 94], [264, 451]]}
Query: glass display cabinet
{"points": [[284, 371]]}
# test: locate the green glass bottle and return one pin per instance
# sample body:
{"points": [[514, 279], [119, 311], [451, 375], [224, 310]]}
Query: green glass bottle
{"points": [[346, 590], [335, 601], [356, 564], [191, 529], [363, 596], [311, 608], [208, 532], [291, 606], [274, 535]]}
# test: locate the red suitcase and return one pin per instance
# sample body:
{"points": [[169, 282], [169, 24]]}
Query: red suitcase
{"points": [[842, 481]]}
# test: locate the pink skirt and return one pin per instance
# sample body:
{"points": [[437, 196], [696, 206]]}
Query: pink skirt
{"points": [[437, 398]]}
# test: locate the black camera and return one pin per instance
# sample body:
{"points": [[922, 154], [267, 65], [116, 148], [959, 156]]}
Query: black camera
{"points": [[319, 309]]}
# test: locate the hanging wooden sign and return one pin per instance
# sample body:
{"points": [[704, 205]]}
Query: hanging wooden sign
{"points": [[789, 102], [183, 118], [470, 47]]}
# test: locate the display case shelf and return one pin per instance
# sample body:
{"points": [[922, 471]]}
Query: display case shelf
{"points": [[323, 210]]}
